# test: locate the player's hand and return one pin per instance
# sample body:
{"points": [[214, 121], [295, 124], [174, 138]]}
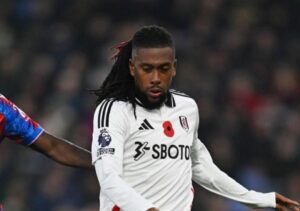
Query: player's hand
{"points": [[285, 204], [153, 209]]}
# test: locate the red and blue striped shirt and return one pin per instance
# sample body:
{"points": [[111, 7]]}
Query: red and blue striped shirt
{"points": [[16, 125]]}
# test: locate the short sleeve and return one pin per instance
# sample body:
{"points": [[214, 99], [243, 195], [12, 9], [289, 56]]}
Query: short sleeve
{"points": [[16, 125]]}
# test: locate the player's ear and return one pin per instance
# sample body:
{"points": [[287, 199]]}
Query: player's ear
{"points": [[131, 67], [174, 68]]}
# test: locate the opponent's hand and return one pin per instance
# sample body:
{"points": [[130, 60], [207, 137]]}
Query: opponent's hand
{"points": [[285, 204], [153, 209]]}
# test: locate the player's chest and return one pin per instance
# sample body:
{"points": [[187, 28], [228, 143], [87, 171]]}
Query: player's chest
{"points": [[165, 134], [169, 126]]}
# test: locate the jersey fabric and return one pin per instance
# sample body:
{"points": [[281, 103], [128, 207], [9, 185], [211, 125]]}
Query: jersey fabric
{"points": [[150, 160], [16, 125]]}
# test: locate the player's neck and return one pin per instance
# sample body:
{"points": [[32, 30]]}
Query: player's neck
{"points": [[141, 99]]}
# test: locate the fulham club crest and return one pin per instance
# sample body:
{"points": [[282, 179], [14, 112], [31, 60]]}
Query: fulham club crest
{"points": [[184, 123]]}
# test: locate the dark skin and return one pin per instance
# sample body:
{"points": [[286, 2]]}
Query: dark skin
{"points": [[62, 151], [153, 70], [285, 204]]}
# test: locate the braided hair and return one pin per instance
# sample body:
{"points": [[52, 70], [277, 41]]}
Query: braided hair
{"points": [[119, 84]]}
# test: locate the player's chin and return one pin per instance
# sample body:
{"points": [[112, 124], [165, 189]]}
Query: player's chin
{"points": [[155, 98]]}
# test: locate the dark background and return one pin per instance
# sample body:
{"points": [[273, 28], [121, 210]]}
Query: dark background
{"points": [[238, 59]]}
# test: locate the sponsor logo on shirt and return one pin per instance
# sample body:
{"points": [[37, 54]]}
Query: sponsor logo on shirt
{"points": [[145, 125], [162, 151], [140, 150]]}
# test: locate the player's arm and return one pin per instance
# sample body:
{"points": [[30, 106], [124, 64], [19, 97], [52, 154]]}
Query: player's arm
{"points": [[25, 131], [107, 155], [209, 176], [62, 151]]}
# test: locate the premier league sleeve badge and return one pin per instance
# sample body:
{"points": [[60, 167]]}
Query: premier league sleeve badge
{"points": [[104, 138]]}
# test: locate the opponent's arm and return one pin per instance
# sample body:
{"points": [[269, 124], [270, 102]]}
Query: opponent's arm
{"points": [[62, 151], [25, 131]]}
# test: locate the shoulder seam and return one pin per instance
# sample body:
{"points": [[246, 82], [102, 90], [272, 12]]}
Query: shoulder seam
{"points": [[179, 93]]}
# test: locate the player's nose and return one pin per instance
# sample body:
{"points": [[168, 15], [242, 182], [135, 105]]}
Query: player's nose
{"points": [[155, 77]]}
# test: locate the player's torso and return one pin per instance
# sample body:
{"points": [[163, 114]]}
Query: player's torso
{"points": [[164, 134], [157, 152]]}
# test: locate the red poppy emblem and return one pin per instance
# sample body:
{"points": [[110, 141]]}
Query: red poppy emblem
{"points": [[168, 129], [115, 208]]}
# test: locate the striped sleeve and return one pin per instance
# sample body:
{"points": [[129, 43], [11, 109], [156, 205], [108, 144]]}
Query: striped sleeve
{"points": [[104, 112], [17, 125], [109, 130]]}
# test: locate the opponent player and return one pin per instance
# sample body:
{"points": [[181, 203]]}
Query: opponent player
{"points": [[17, 126], [145, 146]]}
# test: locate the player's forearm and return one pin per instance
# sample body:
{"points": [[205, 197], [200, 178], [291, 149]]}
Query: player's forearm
{"points": [[209, 176], [118, 191], [223, 185], [63, 151], [73, 155]]}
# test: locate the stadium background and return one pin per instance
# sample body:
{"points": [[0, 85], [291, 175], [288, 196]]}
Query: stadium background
{"points": [[238, 59]]}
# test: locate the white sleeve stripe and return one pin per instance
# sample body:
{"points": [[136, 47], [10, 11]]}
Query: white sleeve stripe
{"points": [[104, 111]]}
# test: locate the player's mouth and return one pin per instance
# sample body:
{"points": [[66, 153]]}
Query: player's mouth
{"points": [[155, 92]]}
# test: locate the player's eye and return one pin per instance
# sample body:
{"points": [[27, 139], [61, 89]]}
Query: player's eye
{"points": [[165, 68], [147, 68]]}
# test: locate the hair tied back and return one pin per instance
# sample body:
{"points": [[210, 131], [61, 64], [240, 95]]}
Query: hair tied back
{"points": [[119, 47]]}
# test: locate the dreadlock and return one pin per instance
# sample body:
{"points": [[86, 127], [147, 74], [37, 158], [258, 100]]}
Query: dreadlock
{"points": [[119, 84]]}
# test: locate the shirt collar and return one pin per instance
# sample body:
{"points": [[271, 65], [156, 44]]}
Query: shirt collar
{"points": [[170, 101]]}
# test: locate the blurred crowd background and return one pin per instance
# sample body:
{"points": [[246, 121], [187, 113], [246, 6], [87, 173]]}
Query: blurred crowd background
{"points": [[238, 59]]}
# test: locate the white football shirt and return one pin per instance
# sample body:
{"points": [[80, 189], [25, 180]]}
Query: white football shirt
{"points": [[150, 160]]}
